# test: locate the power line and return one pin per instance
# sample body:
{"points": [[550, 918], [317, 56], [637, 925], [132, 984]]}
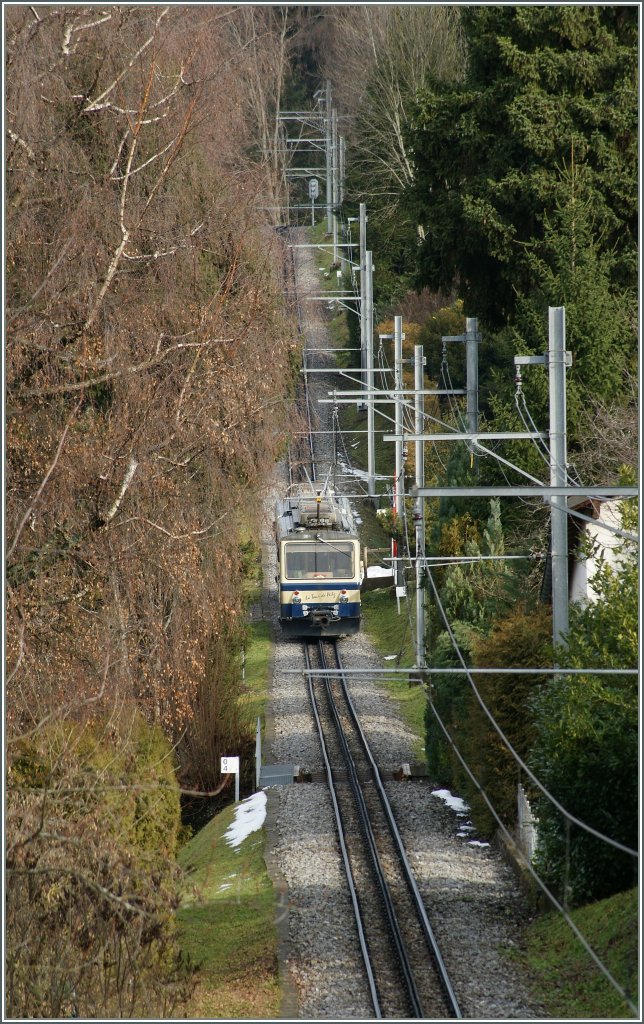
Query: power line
{"points": [[533, 778], [544, 888]]}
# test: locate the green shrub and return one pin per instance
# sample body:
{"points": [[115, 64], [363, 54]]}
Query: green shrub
{"points": [[586, 746], [92, 813], [520, 640], [449, 697]]}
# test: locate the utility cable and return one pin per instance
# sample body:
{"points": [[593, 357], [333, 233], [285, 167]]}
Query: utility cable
{"points": [[337, 431], [552, 899], [627, 535], [456, 412], [572, 475], [384, 370], [570, 817]]}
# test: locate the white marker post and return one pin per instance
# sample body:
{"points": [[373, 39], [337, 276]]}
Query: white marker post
{"points": [[258, 753], [314, 191], [230, 766]]}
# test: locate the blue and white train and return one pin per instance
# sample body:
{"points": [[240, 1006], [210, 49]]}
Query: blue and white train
{"points": [[320, 568]]}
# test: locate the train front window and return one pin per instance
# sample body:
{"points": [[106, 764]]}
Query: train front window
{"points": [[329, 560]]}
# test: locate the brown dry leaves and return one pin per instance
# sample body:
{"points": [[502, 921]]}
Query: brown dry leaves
{"points": [[147, 374]]}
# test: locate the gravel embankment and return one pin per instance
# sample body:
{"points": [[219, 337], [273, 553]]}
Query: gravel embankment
{"points": [[470, 893]]}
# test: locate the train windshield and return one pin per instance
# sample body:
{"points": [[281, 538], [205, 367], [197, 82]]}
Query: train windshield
{"points": [[310, 561]]}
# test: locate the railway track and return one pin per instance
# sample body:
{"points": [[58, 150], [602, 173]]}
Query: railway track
{"points": [[303, 451], [326, 958], [404, 967]]}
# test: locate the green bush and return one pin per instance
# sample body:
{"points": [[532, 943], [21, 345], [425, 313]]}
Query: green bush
{"points": [[520, 640], [91, 878], [586, 747], [449, 697]]}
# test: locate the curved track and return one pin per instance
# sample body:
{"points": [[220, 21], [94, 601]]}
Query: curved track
{"points": [[405, 970]]}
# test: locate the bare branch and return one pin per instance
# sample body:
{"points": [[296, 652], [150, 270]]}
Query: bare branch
{"points": [[189, 375], [91, 884], [150, 160], [71, 29], [45, 479], [174, 148], [21, 142], [52, 270], [93, 105], [21, 653], [25, 840], [168, 533], [64, 710], [127, 480], [168, 252], [60, 389]]}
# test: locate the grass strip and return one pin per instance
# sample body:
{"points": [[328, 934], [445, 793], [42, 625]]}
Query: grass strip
{"points": [[566, 980], [257, 665], [227, 924]]}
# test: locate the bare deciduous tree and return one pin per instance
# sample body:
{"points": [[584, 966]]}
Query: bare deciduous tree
{"points": [[148, 376], [377, 59], [261, 34]]}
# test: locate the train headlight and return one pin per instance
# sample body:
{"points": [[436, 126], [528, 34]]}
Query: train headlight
{"points": [[296, 598], [344, 597]]}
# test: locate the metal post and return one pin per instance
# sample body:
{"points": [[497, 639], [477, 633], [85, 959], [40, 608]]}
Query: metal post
{"points": [[329, 165], [472, 385], [363, 292], [342, 166], [398, 419], [371, 457], [335, 191], [237, 773], [419, 512], [558, 470]]}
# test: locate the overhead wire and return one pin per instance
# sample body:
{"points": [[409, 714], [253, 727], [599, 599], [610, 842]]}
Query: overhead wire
{"points": [[337, 431], [517, 757], [544, 888], [543, 450], [572, 476]]}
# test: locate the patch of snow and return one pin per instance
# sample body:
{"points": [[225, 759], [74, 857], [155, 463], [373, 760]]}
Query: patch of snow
{"points": [[455, 802], [249, 817], [460, 807]]}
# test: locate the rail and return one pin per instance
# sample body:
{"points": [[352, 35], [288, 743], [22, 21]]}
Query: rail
{"points": [[380, 953], [373, 992], [428, 932]]}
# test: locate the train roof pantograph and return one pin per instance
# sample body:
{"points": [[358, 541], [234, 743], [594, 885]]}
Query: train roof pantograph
{"points": [[308, 510]]}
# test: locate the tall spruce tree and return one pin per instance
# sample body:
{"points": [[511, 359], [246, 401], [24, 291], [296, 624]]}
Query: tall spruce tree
{"points": [[547, 88], [568, 268]]}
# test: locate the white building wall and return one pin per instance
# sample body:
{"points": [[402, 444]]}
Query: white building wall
{"points": [[605, 546]]}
